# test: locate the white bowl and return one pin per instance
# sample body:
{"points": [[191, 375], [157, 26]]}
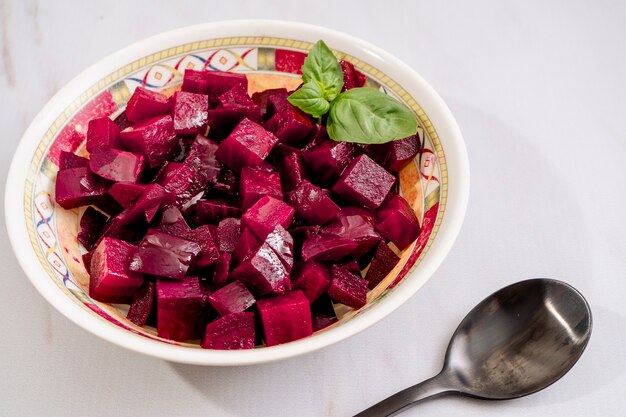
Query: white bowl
{"points": [[437, 184]]}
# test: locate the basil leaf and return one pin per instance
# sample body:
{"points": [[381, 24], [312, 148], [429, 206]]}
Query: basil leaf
{"points": [[309, 98], [322, 66], [368, 116]]}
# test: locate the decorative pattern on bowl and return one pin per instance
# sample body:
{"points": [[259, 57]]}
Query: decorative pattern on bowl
{"points": [[269, 63]]}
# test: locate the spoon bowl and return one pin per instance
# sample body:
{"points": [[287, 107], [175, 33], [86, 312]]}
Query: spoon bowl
{"points": [[520, 339], [517, 341]]}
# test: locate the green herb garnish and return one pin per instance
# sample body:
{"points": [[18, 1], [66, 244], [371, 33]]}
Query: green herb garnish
{"points": [[310, 99], [361, 115], [322, 67]]}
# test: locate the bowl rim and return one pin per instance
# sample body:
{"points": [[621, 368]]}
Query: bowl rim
{"points": [[437, 111]]}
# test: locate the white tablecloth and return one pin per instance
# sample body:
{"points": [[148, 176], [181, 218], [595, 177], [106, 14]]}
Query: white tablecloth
{"points": [[538, 89]]}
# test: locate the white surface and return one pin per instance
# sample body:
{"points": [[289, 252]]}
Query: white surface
{"points": [[539, 91]]}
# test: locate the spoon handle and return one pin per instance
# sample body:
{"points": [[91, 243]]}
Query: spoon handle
{"points": [[408, 397]]}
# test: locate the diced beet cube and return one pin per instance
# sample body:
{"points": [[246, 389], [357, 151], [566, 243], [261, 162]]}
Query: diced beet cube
{"points": [[220, 270], [232, 298], [247, 145], [117, 227], [322, 313], [263, 272], [317, 135], [120, 227], [184, 144], [292, 170], [227, 183], [254, 184], [144, 104], [201, 156], [190, 112], [148, 203], [93, 183], [361, 78], [79, 187], [300, 234], [213, 229], [86, 257], [108, 205], [352, 266], [122, 121], [396, 221], [347, 288], [181, 308], [357, 224], [179, 179], [195, 81], [291, 126], [313, 204], [266, 166], [126, 193], [364, 260], [351, 77], [327, 247], [282, 149], [164, 255], [153, 138], [214, 211], [278, 103], [328, 159], [303, 232], [91, 224], [312, 278], [365, 182], [69, 160], [366, 215], [265, 215], [141, 306], [145, 207], [261, 98], [246, 245], [285, 318], [222, 121], [111, 279], [237, 98], [116, 165], [234, 331], [218, 82], [384, 261], [209, 253], [173, 223], [102, 132], [281, 243], [396, 154], [228, 234]]}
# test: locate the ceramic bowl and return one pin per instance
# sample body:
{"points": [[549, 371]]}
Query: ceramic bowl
{"points": [[270, 53]]}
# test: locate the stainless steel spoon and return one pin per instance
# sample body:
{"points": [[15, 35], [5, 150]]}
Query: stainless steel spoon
{"points": [[517, 341]]}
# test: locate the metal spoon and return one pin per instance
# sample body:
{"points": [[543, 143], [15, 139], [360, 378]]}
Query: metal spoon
{"points": [[517, 341]]}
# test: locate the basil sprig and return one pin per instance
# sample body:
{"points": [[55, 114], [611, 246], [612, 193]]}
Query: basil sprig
{"points": [[365, 115], [310, 99], [321, 66], [360, 115]]}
